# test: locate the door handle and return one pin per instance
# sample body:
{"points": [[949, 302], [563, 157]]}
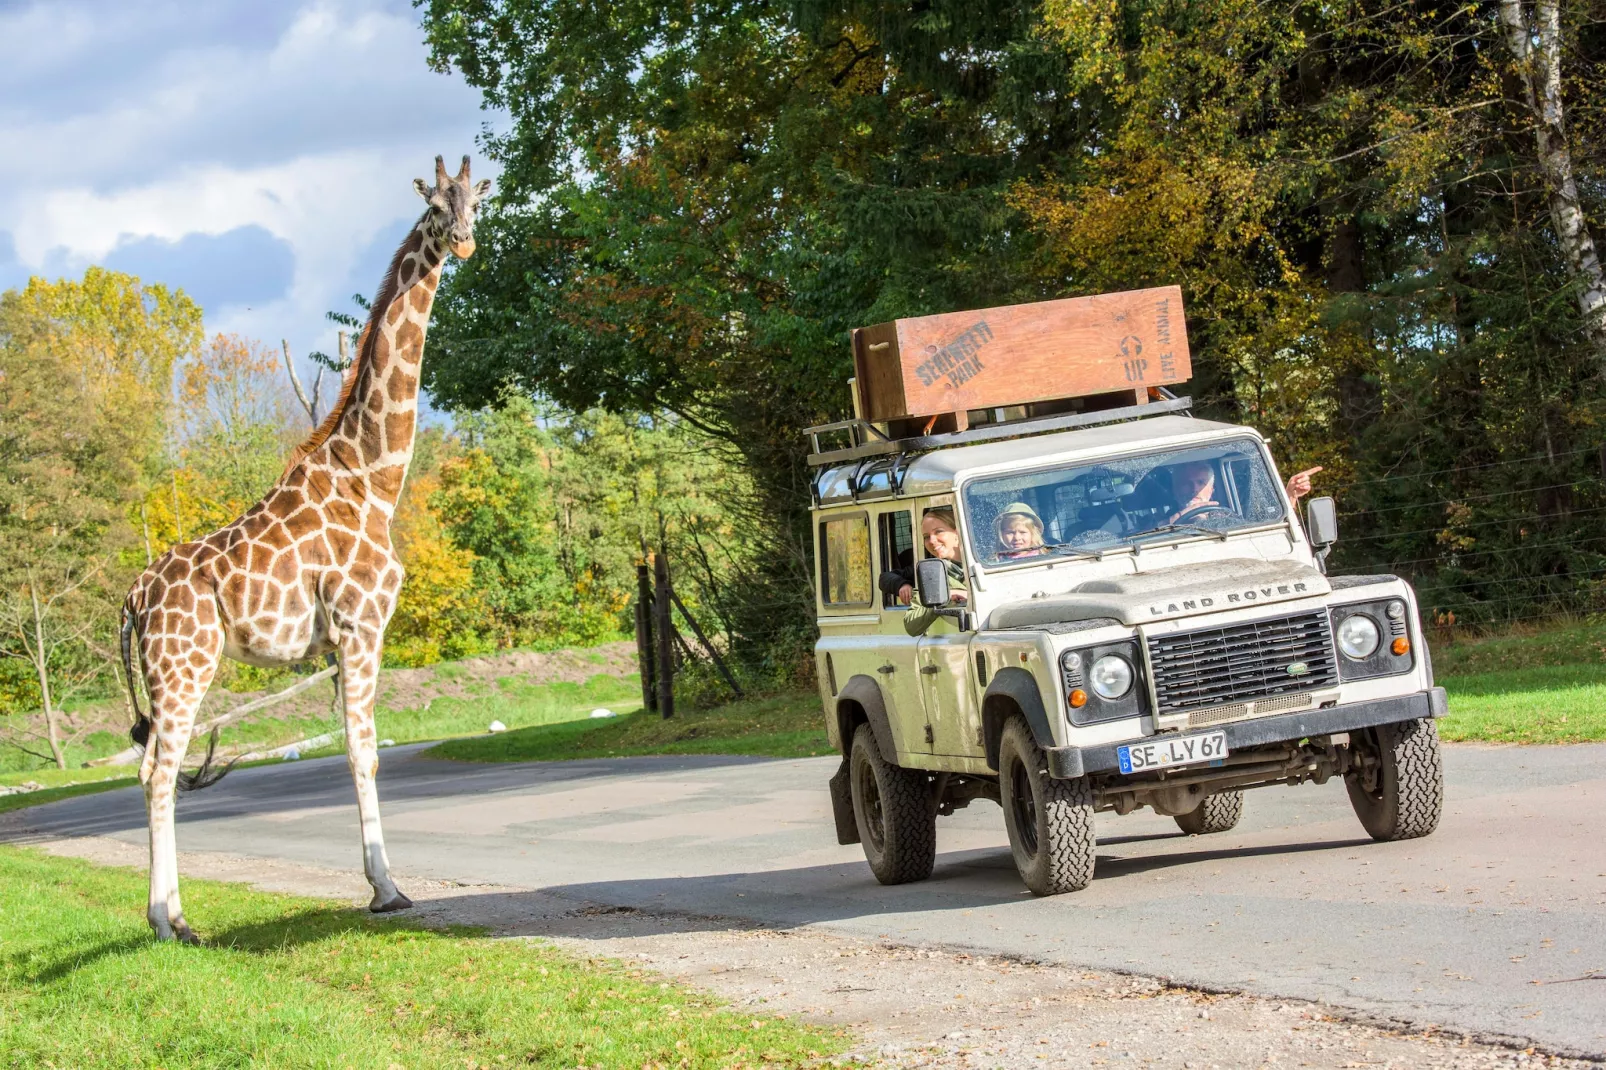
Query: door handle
{"points": [[887, 669], [929, 670]]}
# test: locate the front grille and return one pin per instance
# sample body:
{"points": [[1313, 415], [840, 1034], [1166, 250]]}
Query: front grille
{"points": [[1242, 661]]}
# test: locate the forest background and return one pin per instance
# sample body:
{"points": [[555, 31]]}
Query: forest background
{"points": [[1381, 215]]}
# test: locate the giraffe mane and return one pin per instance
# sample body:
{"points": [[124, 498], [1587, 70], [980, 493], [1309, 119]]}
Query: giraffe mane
{"points": [[365, 348]]}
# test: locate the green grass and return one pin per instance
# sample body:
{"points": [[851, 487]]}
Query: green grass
{"points": [[776, 726], [288, 981], [1561, 704], [1576, 644], [1535, 687]]}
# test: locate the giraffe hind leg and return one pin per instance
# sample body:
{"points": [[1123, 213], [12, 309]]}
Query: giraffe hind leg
{"points": [[178, 681]]}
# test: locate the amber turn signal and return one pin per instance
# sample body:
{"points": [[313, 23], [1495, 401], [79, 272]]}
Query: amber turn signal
{"points": [[1078, 698], [1400, 646]]}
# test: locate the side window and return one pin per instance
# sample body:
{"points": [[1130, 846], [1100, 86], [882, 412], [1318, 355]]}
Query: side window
{"points": [[845, 560], [897, 541]]}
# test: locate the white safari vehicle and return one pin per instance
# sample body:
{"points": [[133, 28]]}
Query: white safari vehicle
{"points": [[1140, 654]]}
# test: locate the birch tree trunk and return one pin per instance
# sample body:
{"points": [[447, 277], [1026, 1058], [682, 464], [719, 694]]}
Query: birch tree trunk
{"points": [[41, 664], [1537, 49]]}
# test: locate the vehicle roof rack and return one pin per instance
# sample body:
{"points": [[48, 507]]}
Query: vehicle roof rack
{"points": [[867, 440]]}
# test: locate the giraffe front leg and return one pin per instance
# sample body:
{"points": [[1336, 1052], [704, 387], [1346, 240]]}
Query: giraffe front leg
{"points": [[359, 673]]}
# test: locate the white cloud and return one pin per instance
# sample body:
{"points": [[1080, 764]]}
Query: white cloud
{"points": [[158, 120]]}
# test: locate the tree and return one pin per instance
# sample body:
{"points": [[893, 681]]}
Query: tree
{"points": [[1537, 47], [84, 372], [700, 200], [236, 420]]}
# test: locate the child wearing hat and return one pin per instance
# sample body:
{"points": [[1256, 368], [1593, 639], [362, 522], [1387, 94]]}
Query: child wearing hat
{"points": [[1020, 532]]}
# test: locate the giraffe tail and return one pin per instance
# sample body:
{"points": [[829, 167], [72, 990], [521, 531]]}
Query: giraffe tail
{"points": [[140, 733], [205, 775]]}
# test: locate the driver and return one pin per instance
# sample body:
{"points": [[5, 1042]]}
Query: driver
{"points": [[1193, 486]]}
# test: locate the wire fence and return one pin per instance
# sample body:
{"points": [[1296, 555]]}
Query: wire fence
{"points": [[1538, 458]]}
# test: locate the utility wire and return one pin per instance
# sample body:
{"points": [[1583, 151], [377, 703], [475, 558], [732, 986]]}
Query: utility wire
{"points": [[1467, 527], [1467, 498], [1545, 457]]}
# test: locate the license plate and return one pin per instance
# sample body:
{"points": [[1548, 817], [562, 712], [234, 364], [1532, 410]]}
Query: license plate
{"points": [[1178, 750]]}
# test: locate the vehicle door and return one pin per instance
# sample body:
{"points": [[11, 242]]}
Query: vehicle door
{"points": [[897, 670], [952, 708]]}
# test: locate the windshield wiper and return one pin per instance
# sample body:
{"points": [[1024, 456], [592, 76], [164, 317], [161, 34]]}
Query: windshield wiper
{"points": [[1067, 548], [1166, 529]]}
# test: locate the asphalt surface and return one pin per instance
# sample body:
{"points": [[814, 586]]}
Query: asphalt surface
{"points": [[1495, 924]]}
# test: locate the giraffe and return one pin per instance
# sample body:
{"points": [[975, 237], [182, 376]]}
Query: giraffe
{"points": [[306, 571]]}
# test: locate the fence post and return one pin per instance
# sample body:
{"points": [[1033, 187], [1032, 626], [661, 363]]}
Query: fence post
{"points": [[646, 656], [666, 636]]}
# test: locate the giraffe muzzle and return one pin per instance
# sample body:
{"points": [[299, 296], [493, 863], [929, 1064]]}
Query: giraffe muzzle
{"points": [[463, 249]]}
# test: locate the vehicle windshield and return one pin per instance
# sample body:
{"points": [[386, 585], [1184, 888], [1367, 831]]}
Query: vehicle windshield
{"points": [[1202, 492]]}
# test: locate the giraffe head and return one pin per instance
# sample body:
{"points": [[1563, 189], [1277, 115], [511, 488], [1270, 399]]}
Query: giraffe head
{"points": [[452, 205]]}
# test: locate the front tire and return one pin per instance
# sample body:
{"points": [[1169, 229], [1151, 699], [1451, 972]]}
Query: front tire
{"points": [[1218, 813], [1050, 821], [1401, 796], [892, 808]]}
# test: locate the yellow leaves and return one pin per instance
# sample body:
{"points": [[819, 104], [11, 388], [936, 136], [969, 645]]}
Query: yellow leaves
{"points": [[437, 596], [1143, 218]]}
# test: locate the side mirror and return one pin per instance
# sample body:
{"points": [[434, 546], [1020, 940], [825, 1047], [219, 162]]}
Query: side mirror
{"points": [[931, 580], [1321, 522]]}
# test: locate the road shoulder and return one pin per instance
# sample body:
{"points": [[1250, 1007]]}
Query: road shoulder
{"points": [[908, 1005]]}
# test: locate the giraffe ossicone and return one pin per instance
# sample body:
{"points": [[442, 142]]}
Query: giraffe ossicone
{"points": [[308, 570]]}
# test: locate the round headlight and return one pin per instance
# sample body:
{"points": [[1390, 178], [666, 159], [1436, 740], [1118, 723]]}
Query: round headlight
{"points": [[1111, 676], [1358, 637]]}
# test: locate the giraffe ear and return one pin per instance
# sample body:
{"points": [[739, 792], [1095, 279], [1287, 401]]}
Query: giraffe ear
{"points": [[481, 188], [422, 187]]}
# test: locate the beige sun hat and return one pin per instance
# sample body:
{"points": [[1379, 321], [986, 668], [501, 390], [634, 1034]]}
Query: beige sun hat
{"points": [[1017, 509]]}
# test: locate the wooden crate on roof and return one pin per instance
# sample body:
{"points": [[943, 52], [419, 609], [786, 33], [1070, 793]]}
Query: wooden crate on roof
{"points": [[957, 362]]}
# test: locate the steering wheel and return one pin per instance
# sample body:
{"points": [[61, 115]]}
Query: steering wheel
{"points": [[1201, 512]]}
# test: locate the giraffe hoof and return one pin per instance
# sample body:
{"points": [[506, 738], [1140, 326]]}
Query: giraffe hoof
{"points": [[386, 906], [185, 936]]}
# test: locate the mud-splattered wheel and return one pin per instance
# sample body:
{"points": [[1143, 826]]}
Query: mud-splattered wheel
{"points": [[892, 806], [1218, 813], [1050, 821], [1398, 789]]}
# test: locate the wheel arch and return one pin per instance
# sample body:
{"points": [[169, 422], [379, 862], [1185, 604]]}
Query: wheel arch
{"points": [[1013, 691], [860, 702]]}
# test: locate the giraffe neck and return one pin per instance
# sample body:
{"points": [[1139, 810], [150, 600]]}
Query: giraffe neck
{"points": [[371, 428]]}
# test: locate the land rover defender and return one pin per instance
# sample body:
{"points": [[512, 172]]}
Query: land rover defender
{"points": [[1135, 651]]}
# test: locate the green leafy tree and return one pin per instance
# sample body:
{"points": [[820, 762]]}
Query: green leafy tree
{"points": [[700, 199], [85, 372]]}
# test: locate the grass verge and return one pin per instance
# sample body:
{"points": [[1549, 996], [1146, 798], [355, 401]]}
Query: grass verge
{"points": [[775, 726], [1557, 704], [1538, 686], [290, 981]]}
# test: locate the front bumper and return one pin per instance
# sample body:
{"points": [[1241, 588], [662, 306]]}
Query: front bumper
{"points": [[1064, 763]]}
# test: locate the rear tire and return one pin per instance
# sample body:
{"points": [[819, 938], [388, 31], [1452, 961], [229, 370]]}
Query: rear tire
{"points": [[892, 808], [1218, 813], [1403, 796], [1050, 821]]}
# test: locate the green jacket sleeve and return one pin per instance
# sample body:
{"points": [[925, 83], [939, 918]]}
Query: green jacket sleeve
{"points": [[920, 618]]}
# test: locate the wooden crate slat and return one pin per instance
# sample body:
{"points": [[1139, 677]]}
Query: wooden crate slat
{"points": [[1019, 354]]}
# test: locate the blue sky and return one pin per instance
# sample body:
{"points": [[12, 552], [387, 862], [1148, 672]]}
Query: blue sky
{"points": [[258, 155]]}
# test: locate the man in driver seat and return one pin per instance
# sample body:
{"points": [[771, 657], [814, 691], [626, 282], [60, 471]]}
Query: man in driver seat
{"points": [[1193, 487]]}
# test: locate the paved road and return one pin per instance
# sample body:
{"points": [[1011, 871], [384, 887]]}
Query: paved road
{"points": [[1455, 929]]}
